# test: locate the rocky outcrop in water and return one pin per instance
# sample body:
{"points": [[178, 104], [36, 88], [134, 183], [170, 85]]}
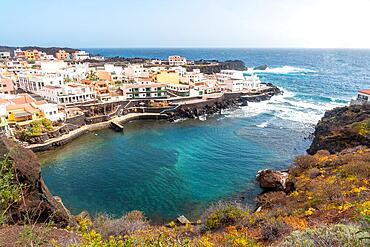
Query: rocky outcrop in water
{"points": [[37, 205], [210, 67], [197, 110], [261, 67], [342, 128]]}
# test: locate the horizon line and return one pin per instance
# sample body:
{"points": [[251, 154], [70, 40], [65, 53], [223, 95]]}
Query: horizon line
{"points": [[195, 47]]}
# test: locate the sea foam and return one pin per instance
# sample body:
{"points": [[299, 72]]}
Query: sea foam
{"points": [[285, 107], [280, 70]]}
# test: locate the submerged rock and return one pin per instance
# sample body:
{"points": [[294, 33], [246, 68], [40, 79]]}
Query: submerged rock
{"points": [[261, 67]]}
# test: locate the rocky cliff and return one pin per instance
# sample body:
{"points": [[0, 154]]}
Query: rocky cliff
{"points": [[342, 128], [36, 204]]}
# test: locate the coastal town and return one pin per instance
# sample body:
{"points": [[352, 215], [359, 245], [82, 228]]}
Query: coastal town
{"points": [[44, 96]]}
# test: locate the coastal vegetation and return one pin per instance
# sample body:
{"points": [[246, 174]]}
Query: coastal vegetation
{"points": [[10, 189], [322, 201], [36, 128]]}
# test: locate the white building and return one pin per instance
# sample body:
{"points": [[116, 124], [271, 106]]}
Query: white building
{"points": [[44, 56], [133, 70], [194, 76], [36, 83], [53, 66], [76, 72], [80, 55], [68, 94], [176, 60], [203, 87], [363, 97], [145, 89], [4, 55], [178, 89], [18, 53], [156, 61], [113, 69], [156, 69], [235, 81], [179, 69], [51, 112]]}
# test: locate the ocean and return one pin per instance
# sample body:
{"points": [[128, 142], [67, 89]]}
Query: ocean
{"points": [[168, 169]]}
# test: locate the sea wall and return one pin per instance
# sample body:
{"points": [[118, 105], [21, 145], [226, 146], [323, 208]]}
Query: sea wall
{"points": [[72, 135]]}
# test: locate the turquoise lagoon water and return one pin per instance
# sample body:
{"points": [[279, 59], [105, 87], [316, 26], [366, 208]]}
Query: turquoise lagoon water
{"points": [[166, 169]]}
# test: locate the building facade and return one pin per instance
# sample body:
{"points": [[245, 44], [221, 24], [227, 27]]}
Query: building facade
{"points": [[62, 55], [176, 60]]}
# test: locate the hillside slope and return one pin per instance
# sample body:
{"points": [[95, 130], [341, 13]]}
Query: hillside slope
{"points": [[323, 200]]}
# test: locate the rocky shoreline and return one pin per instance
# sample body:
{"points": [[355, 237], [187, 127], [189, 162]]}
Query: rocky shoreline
{"points": [[229, 100]]}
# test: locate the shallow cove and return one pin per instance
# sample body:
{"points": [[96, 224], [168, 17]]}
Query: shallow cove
{"points": [[163, 169], [167, 169]]}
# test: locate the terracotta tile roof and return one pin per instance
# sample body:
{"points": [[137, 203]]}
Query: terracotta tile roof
{"points": [[364, 91], [24, 98], [4, 101], [41, 102]]}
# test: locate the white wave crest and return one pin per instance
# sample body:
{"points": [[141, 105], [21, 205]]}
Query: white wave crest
{"points": [[285, 107], [280, 70], [263, 125]]}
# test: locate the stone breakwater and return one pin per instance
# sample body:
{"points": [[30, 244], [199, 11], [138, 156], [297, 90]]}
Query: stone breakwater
{"points": [[226, 101]]}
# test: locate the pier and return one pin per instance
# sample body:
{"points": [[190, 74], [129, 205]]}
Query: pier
{"points": [[116, 126]]}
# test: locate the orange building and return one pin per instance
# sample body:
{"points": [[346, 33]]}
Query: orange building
{"points": [[62, 55], [7, 86], [23, 108], [104, 75], [100, 87], [32, 54]]}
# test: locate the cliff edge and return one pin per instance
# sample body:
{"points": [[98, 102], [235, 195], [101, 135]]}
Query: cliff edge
{"points": [[342, 128], [35, 203]]}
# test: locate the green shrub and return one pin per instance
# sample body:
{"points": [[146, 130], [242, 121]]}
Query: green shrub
{"points": [[362, 128], [10, 189], [47, 124], [36, 128], [325, 236], [223, 214]]}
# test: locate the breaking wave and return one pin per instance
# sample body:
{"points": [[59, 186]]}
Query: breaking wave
{"points": [[284, 107], [280, 70]]}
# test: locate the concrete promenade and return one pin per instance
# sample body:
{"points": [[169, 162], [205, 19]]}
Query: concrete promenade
{"points": [[61, 140]]}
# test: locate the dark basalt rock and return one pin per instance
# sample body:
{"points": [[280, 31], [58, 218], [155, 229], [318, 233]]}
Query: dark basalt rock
{"points": [[37, 202], [261, 67], [335, 131]]}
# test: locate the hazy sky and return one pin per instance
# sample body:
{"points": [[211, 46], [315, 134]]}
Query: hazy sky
{"points": [[190, 23]]}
